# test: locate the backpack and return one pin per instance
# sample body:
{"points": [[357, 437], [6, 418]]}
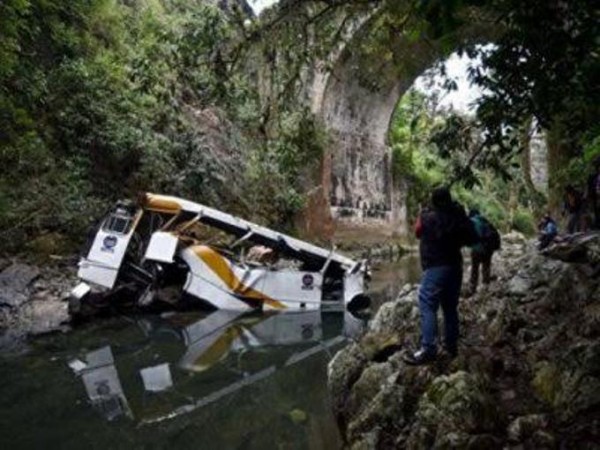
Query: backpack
{"points": [[490, 238]]}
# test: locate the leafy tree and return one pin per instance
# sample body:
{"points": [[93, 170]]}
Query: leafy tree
{"points": [[426, 155], [102, 98]]}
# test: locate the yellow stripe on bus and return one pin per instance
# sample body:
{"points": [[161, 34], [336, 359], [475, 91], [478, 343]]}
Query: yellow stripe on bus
{"points": [[160, 203], [222, 269]]}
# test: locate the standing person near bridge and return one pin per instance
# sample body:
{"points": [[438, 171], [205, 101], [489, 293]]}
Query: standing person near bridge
{"points": [[573, 208], [442, 230], [593, 194], [482, 251]]}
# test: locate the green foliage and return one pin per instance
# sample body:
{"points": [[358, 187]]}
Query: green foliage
{"points": [[424, 157], [102, 98], [523, 221], [578, 169], [278, 170], [543, 63], [414, 162]]}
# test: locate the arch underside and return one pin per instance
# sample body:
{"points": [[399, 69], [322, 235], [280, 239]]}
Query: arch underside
{"points": [[356, 101]]}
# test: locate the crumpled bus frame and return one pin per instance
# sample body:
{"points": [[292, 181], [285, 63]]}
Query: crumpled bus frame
{"points": [[144, 247]]}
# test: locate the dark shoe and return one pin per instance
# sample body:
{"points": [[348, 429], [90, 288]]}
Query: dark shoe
{"points": [[420, 357]]}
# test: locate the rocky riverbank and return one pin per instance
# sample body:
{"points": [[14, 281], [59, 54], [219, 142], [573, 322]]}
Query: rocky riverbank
{"points": [[527, 374], [33, 300]]}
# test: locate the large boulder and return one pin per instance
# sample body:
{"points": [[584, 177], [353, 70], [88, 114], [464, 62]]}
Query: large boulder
{"points": [[533, 430], [15, 283], [18, 276], [533, 272], [454, 410], [579, 248], [571, 384], [385, 411], [395, 316], [32, 301], [342, 372]]}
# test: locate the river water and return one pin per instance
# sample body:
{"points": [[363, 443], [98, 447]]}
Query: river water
{"points": [[217, 381]]}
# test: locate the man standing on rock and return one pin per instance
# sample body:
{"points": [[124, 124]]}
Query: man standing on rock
{"points": [[443, 230]]}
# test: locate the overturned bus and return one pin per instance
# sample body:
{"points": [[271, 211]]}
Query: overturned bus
{"points": [[158, 251]]}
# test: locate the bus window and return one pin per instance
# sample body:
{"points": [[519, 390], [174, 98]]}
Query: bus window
{"points": [[118, 222]]}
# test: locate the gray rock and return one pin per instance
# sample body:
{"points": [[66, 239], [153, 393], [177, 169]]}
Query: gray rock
{"points": [[368, 386], [457, 402], [514, 238], [386, 408], [342, 372], [393, 316], [367, 441], [31, 302], [11, 298], [520, 284], [41, 317], [524, 427], [580, 248], [18, 276], [15, 283]]}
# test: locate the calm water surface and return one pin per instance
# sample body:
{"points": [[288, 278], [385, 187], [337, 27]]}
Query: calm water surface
{"points": [[217, 381]]}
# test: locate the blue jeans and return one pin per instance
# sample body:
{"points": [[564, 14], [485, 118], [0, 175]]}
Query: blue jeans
{"points": [[439, 286]]}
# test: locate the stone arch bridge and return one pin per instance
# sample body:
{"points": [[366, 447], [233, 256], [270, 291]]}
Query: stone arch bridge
{"points": [[356, 98]]}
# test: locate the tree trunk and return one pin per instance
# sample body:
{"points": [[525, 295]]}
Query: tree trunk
{"points": [[559, 154], [526, 156]]}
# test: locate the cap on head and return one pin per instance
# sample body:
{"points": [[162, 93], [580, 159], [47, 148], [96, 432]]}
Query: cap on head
{"points": [[440, 197], [473, 212]]}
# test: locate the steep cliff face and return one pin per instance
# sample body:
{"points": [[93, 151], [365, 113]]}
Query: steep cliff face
{"points": [[527, 374]]}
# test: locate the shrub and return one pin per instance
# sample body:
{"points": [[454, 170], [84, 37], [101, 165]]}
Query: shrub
{"points": [[523, 222]]}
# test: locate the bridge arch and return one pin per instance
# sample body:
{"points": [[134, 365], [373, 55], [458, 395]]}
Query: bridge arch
{"points": [[356, 100]]}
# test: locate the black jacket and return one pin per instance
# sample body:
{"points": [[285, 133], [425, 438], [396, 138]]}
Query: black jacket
{"points": [[442, 233]]}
